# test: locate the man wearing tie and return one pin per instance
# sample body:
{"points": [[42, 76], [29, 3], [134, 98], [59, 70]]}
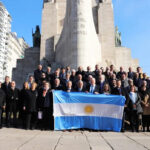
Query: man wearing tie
{"points": [[93, 88]]}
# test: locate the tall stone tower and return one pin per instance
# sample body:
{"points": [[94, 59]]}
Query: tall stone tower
{"points": [[78, 41]]}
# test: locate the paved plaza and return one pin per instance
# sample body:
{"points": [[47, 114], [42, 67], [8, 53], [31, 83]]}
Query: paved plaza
{"points": [[17, 139]]}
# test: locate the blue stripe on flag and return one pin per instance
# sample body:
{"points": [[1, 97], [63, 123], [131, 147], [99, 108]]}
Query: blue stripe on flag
{"points": [[79, 97], [86, 122]]}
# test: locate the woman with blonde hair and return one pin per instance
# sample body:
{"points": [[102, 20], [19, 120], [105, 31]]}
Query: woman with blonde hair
{"points": [[106, 89]]}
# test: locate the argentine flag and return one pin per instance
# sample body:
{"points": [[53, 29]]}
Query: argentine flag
{"points": [[76, 110]]}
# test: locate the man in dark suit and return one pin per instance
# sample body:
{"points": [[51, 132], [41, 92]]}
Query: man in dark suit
{"points": [[65, 80], [137, 80], [79, 78], [124, 80], [56, 75], [101, 82], [63, 74], [93, 88], [49, 74], [57, 85], [88, 72], [6, 85], [80, 87], [73, 77], [45, 105], [119, 90], [2, 104], [80, 71], [12, 104], [69, 87], [38, 73], [95, 72], [119, 74], [131, 74]]}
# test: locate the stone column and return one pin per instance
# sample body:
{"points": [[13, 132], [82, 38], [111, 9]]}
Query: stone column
{"points": [[78, 44]]}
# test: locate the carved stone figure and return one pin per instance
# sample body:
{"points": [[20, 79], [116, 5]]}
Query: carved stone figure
{"points": [[117, 37], [36, 37]]}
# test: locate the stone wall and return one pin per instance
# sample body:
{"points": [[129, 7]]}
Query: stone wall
{"points": [[26, 66]]}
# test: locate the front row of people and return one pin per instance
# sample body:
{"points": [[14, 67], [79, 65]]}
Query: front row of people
{"points": [[35, 106]]}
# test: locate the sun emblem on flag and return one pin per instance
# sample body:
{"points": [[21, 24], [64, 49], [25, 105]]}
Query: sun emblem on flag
{"points": [[88, 109]]}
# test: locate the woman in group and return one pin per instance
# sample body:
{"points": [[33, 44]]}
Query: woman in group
{"points": [[146, 107], [135, 109], [30, 106], [106, 89], [23, 97]]}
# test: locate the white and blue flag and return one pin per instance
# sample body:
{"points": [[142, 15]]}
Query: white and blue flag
{"points": [[76, 110]]}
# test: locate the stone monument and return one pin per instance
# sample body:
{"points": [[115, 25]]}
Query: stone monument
{"points": [[76, 32], [57, 30]]}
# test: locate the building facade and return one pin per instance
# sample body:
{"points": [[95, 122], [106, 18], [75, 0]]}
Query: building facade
{"points": [[5, 29], [11, 47]]}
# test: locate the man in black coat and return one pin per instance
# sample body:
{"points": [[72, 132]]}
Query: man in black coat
{"points": [[57, 85], [88, 72], [6, 85], [119, 90], [30, 106], [80, 71], [2, 104], [49, 74], [12, 104], [80, 87], [45, 105], [101, 82], [38, 73], [69, 87], [93, 88], [131, 74]]}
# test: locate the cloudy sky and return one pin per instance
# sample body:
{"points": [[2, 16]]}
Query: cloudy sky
{"points": [[131, 16]]}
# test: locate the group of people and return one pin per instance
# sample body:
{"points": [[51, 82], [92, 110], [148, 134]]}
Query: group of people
{"points": [[33, 104]]}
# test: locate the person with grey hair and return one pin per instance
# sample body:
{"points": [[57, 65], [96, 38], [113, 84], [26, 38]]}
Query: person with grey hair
{"points": [[69, 87], [38, 73], [131, 83], [73, 77], [93, 88], [57, 85], [101, 82], [124, 80], [80, 87]]}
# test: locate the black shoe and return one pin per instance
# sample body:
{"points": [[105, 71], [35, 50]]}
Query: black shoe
{"points": [[122, 130]]}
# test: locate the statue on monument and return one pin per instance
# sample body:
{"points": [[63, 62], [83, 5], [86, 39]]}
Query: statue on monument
{"points": [[36, 37], [118, 40]]}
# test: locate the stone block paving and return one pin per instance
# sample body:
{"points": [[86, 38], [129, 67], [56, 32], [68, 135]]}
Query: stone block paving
{"points": [[18, 139]]}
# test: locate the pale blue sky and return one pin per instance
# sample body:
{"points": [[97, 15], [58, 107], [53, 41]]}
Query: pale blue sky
{"points": [[131, 16]]}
